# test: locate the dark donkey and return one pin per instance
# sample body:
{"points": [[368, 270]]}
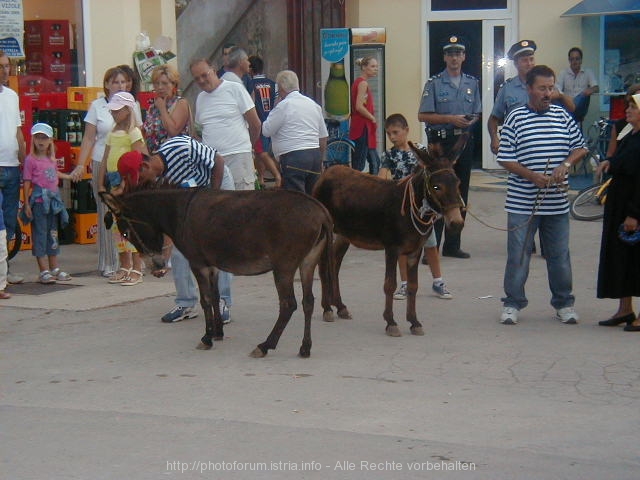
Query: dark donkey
{"points": [[245, 233], [377, 214]]}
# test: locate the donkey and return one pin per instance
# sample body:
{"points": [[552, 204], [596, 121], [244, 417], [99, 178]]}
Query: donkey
{"points": [[245, 233], [376, 214]]}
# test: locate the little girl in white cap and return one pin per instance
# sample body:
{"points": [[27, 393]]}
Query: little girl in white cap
{"points": [[42, 203]]}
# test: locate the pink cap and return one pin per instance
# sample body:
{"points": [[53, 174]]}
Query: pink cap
{"points": [[121, 99]]}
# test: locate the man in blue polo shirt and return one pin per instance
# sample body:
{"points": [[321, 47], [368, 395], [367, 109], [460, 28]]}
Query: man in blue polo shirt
{"points": [[538, 145]]}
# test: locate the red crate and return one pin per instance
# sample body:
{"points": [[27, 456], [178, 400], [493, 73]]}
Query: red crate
{"points": [[146, 99], [47, 34], [64, 155], [26, 115], [53, 100], [48, 63]]}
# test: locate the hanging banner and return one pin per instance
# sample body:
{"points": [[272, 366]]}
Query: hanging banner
{"points": [[11, 28]]}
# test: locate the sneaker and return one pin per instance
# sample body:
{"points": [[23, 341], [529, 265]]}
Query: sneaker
{"points": [[14, 279], [225, 312], [401, 294], [441, 290], [567, 315], [178, 314], [509, 316], [46, 277]]}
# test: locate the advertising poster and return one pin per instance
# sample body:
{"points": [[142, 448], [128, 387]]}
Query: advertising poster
{"points": [[12, 28]]}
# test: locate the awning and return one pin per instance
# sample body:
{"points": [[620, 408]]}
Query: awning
{"points": [[603, 7]]}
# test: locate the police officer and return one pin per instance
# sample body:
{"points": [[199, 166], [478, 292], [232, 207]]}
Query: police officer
{"points": [[513, 92], [450, 106]]}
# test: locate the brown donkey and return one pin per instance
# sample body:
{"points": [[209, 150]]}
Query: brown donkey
{"points": [[245, 233], [376, 214]]}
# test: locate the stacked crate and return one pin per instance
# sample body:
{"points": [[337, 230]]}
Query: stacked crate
{"points": [[48, 55]]}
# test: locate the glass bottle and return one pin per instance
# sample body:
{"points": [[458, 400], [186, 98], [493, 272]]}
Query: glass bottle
{"points": [[336, 93]]}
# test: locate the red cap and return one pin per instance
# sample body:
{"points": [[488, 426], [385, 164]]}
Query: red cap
{"points": [[129, 165]]}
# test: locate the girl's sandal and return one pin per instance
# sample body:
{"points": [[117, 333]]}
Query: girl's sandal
{"points": [[131, 280], [121, 275]]}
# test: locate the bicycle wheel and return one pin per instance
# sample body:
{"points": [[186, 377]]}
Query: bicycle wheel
{"points": [[587, 205], [14, 243], [339, 153]]}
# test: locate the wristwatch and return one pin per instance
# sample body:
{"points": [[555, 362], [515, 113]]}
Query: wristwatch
{"points": [[566, 164]]}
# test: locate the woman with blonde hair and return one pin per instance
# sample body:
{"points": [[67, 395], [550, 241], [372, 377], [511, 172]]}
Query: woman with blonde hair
{"points": [[363, 128], [170, 114]]}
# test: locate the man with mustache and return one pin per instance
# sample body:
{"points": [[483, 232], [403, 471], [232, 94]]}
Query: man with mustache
{"points": [[539, 143]]}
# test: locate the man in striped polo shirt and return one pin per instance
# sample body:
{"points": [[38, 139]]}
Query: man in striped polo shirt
{"points": [[189, 163], [539, 143]]}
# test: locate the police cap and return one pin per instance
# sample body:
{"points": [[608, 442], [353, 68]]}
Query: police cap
{"points": [[523, 47], [453, 42]]}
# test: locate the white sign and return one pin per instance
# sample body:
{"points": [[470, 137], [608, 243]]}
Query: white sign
{"points": [[11, 28]]}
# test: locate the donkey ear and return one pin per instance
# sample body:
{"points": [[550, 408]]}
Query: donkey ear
{"points": [[457, 149], [422, 154], [112, 202]]}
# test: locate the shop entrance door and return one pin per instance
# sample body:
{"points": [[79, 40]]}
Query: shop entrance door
{"points": [[486, 42]]}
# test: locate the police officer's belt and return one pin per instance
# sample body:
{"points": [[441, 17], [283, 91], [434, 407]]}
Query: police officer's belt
{"points": [[443, 133]]}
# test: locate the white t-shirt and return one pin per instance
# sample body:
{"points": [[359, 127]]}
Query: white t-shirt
{"points": [[572, 84], [9, 123], [221, 114], [100, 117], [296, 123]]}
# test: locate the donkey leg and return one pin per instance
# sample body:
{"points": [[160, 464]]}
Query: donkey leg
{"points": [[288, 305], [203, 277], [391, 263], [412, 289], [341, 245]]}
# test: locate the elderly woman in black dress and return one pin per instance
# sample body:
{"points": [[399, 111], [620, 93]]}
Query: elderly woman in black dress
{"points": [[619, 272]]}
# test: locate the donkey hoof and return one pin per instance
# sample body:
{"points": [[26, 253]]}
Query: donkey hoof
{"points": [[344, 314], [304, 352], [393, 331], [328, 317], [417, 331], [204, 346], [257, 353]]}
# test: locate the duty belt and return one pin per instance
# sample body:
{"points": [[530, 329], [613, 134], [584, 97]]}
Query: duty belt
{"points": [[443, 133]]}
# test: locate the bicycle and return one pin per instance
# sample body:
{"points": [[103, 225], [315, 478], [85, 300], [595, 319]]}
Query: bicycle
{"points": [[589, 203], [14, 242], [339, 145]]}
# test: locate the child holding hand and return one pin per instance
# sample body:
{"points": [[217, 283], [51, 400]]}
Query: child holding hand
{"points": [[124, 137], [43, 205]]}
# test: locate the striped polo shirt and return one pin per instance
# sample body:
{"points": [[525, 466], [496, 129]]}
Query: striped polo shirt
{"points": [[540, 141], [187, 161]]}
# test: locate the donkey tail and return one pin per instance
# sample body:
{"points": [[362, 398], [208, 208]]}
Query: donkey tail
{"points": [[327, 265]]}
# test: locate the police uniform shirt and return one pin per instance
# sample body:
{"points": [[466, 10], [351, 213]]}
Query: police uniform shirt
{"points": [[512, 94], [441, 95]]}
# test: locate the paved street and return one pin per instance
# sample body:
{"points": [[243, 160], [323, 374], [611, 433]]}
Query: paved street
{"points": [[94, 386]]}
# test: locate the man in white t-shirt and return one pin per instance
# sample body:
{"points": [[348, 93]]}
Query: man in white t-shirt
{"points": [[12, 153], [299, 134], [224, 110]]}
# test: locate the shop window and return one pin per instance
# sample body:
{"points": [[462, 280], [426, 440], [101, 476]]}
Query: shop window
{"points": [[621, 65]]}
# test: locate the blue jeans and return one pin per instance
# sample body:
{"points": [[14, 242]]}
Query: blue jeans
{"points": [[363, 154], [186, 293], [554, 231], [44, 228], [10, 186]]}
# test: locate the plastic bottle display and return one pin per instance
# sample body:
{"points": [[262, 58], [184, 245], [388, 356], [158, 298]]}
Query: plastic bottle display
{"points": [[336, 93]]}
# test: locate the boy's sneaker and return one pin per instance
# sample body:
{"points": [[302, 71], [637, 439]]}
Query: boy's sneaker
{"points": [[225, 312], [401, 294], [178, 314], [509, 316], [60, 275], [441, 290], [567, 315]]}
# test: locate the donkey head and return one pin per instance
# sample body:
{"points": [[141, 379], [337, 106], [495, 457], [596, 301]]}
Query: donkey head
{"points": [[144, 235], [442, 186]]}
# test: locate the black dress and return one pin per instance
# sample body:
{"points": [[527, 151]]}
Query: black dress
{"points": [[619, 272]]}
